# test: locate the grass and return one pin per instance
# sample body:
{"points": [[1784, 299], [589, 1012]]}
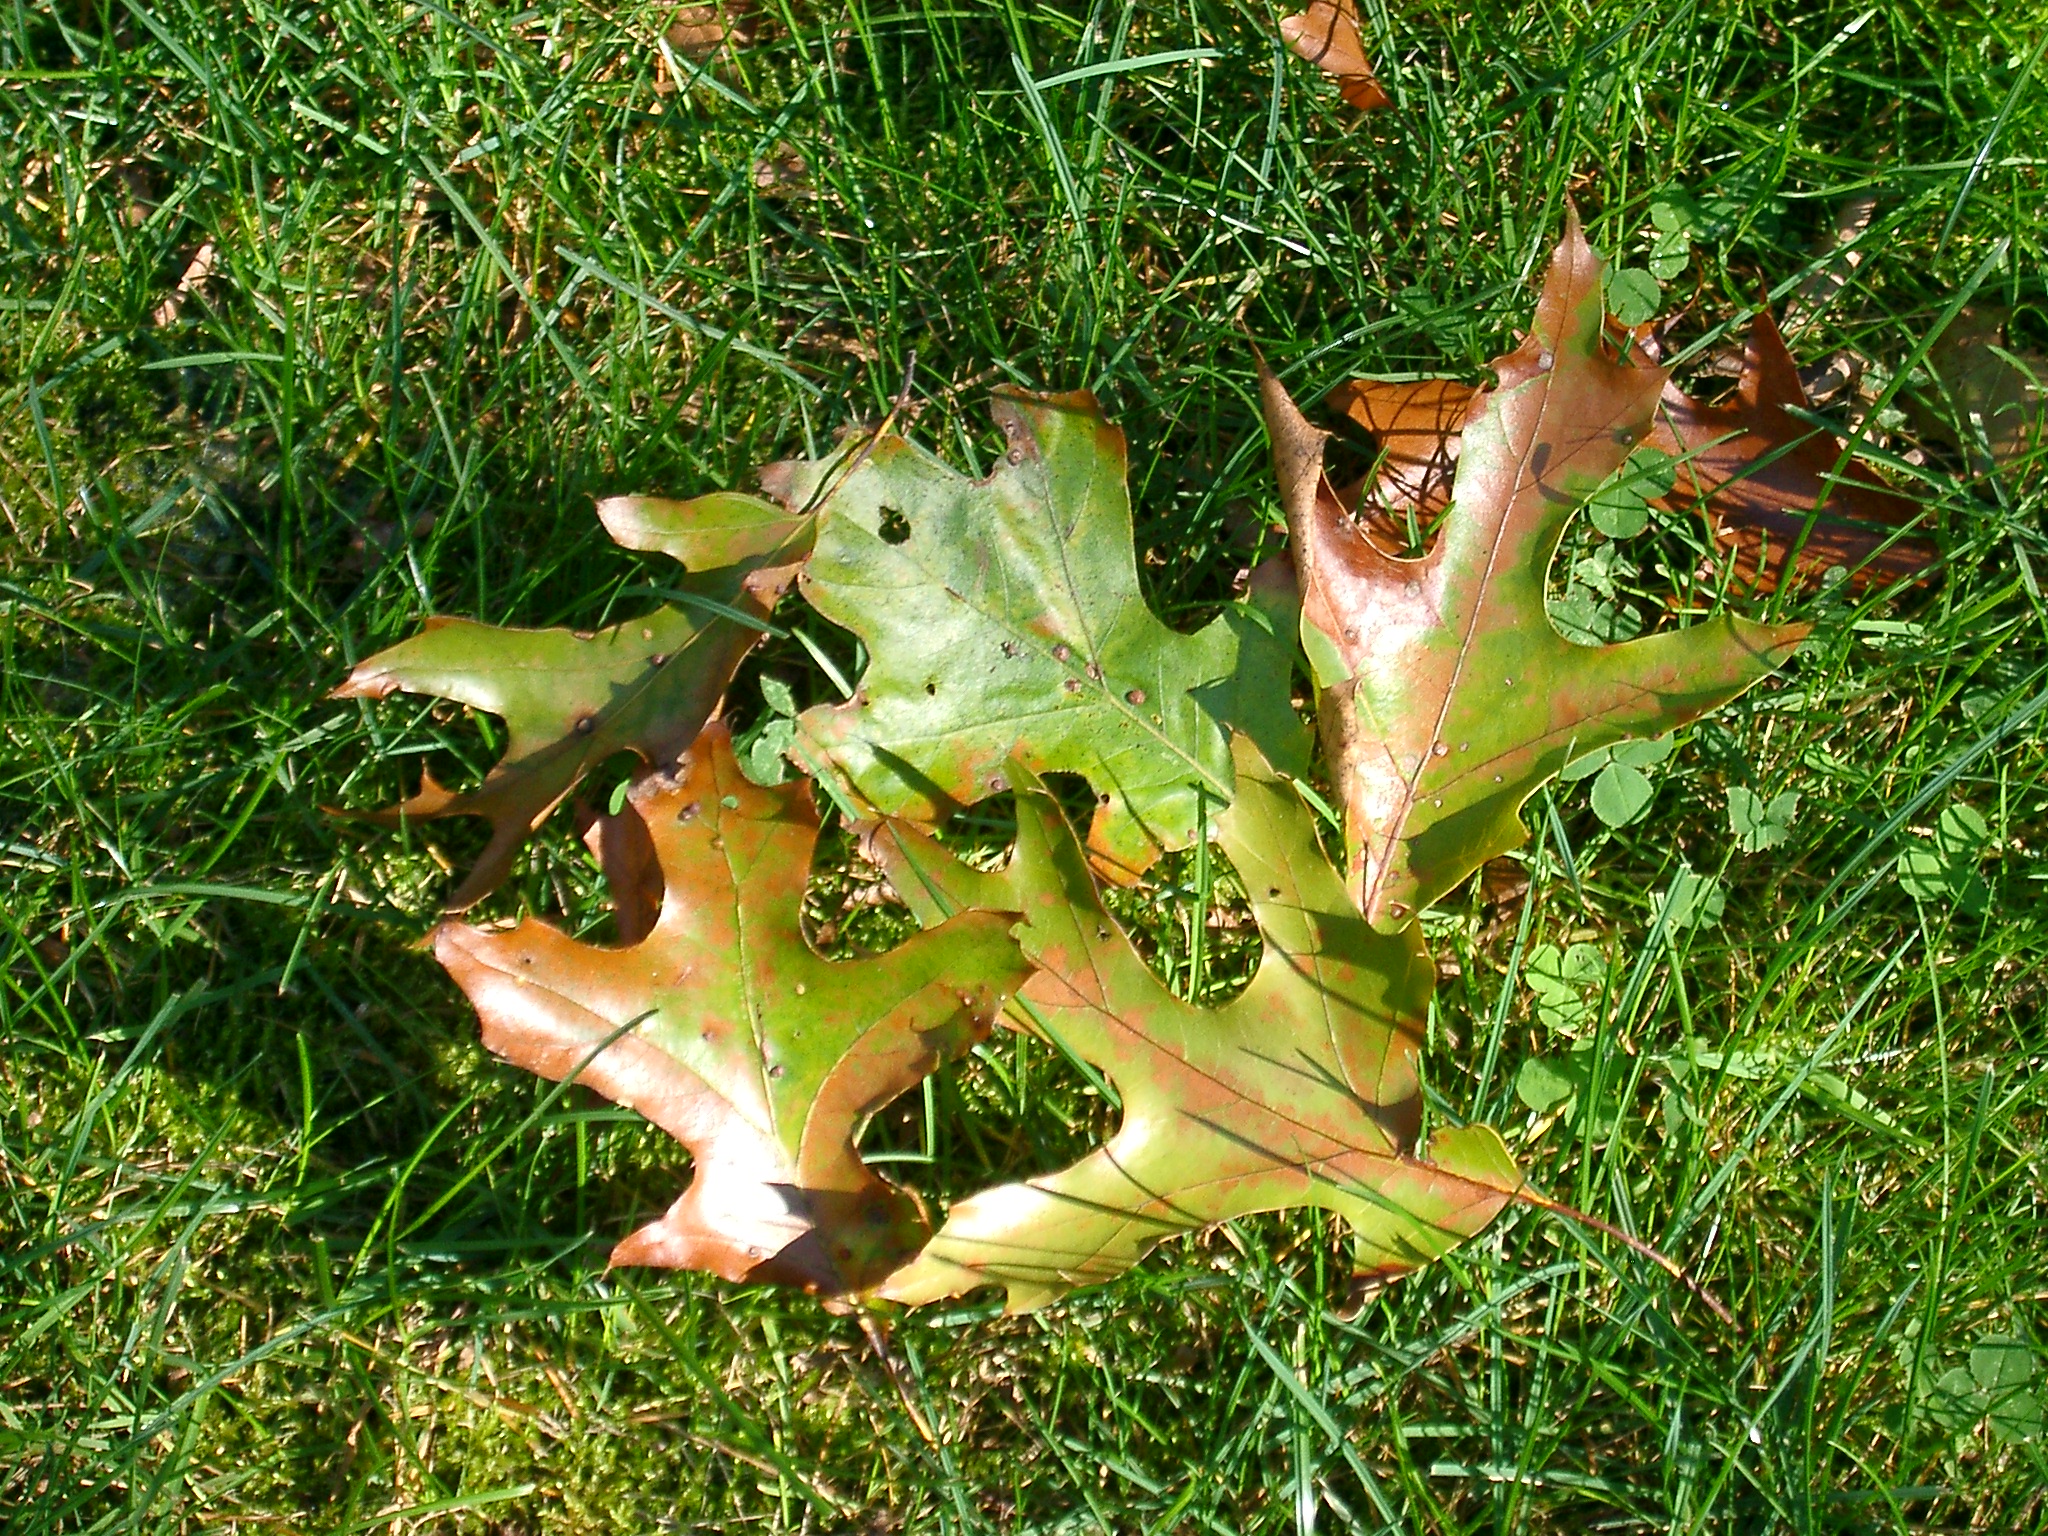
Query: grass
{"points": [[285, 1249]]}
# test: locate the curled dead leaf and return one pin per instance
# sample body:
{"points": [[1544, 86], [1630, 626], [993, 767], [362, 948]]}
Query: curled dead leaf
{"points": [[696, 32], [1327, 35], [1997, 391]]}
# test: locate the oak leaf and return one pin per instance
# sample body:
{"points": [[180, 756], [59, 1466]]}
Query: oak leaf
{"points": [[1003, 620], [571, 700], [1416, 423], [1997, 391], [1446, 696], [1769, 485], [1327, 35], [726, 1029], [1303, 1090], [1765, 480]]}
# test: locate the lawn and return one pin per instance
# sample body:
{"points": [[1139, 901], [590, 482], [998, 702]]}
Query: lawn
{"points": [[319, 320]]}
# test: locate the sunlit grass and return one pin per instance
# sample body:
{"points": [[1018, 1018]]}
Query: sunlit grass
{"points": [[283, 1247]]}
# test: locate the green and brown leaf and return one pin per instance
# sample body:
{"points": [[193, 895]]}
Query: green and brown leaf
{"points": [[1303, 1090], [571, 700], [726, 1029], [1445, 694]]}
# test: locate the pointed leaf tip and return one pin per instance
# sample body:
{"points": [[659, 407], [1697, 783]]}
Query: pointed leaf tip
{"points": [[1327, 35]]}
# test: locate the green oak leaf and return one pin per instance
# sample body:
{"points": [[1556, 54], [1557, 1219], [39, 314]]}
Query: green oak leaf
{"points": [[710, 532], [1303, 1090], [1003, 621], [1446, 695], [571, 700], [726, 1029]]}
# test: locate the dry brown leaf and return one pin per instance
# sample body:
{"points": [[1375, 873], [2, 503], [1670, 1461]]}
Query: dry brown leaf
{"points": [[1416, 425], [1753, 469], [625, 854], [197, 272], [1999, 392], [698, 32], [782, 174], [1327, 35], [1757, 473]]}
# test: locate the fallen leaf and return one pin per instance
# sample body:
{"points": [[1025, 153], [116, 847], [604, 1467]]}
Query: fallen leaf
{"points": [[625, 854], [714, 532], [783, 174], [1327, 35], [1751, 468], [571, 700], [697, 32], [726, 1029], [1303, 1090], [1446, 695], [1768, 484], [1999, 393], [1416, 424], [1003, 620], [198, 271]]}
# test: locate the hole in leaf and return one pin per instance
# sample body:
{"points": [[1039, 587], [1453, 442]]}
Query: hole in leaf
{"points": [[1193, 925], [849, 909], [1015, 1107], [895, 527]]}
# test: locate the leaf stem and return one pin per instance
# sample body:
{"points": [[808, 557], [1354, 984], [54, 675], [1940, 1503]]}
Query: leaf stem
{"points": [[1662, 1260]]}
